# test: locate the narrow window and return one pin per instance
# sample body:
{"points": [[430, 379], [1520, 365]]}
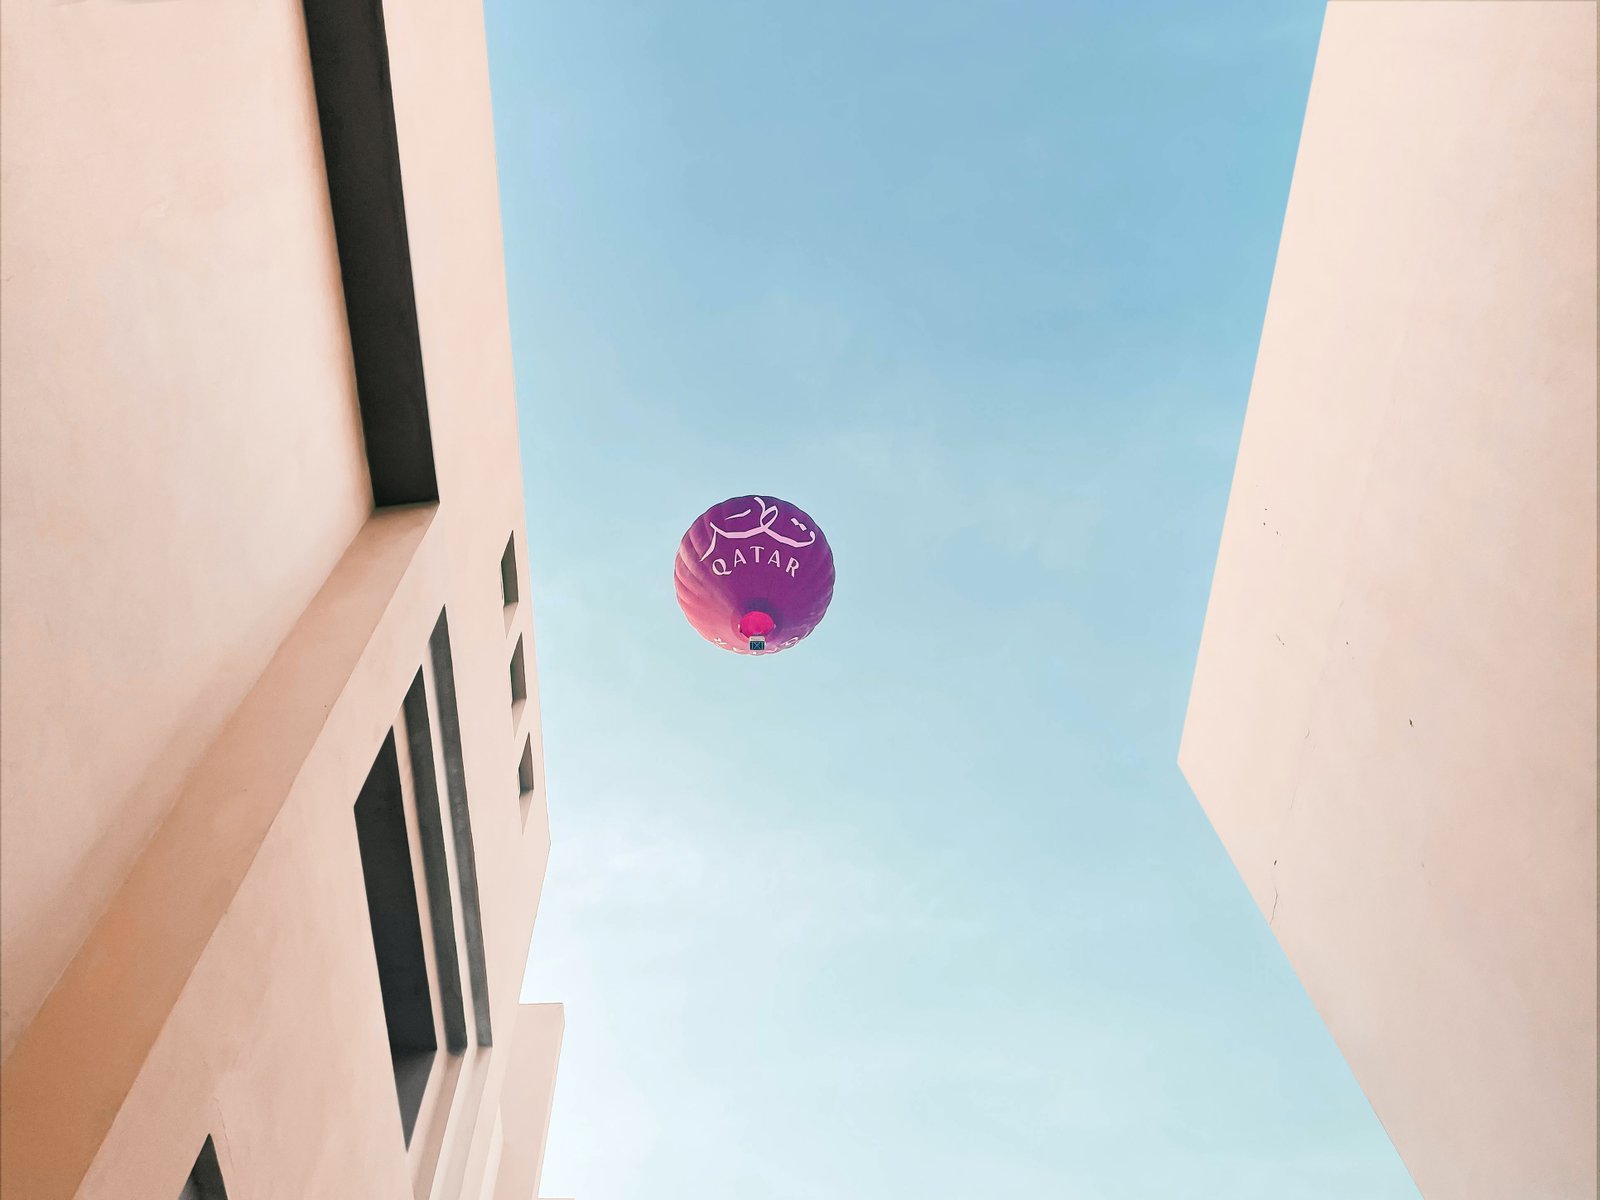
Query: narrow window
{"points": [[435, 863], [508, 572], [525, 777], [205, 1177], [396, 932], [444, 682], [519, 675]]}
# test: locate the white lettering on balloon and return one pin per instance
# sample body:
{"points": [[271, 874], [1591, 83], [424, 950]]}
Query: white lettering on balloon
{"points": [[722, 567], [769, 516]]}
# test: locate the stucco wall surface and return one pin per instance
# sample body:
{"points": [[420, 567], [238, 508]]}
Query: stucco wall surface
{"points": [[180, 451], [1393, 719], [208, 630]]}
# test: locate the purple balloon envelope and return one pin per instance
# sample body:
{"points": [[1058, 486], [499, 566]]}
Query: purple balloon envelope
{"points": [[754, 575]]}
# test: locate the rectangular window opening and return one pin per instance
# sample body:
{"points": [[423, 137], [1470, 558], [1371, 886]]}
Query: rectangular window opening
{"points": [[519, 675], [525, 779], [435, 862], [205, 1177], [508, 572], [444, 682], [396, 932]]}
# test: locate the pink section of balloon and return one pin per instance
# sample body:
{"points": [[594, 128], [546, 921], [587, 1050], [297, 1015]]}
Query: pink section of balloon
{"points": [[754, 575]]}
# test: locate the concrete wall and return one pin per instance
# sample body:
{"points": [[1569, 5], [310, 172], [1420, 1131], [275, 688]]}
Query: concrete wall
{"points": [[208, 629], [1393, 719], [181, 463], [525, 1104]]}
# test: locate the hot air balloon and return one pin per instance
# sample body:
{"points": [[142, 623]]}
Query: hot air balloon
{"points": [[754, 575]]}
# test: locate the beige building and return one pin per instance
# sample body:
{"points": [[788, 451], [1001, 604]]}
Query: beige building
{"points": [[1392, 724], [272, 818]]}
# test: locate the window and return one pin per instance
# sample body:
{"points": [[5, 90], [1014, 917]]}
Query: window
{"points": [[525, 778], [508, 572], [205, 1177], [435, 862], [396, 932], [444, 682], [519, 675]]}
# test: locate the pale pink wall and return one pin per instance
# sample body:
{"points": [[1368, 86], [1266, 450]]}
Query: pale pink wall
{"points": [[225, 990], [1392, 725], [491, 1166], [439, 64], [226, 982], [525, 1104], [181, 463]]}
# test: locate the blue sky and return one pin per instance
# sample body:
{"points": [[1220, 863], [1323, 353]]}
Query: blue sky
{"points": [[922, 908]]}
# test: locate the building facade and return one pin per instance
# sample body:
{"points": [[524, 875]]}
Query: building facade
{"points": [[272, 816], [1393, 720]]}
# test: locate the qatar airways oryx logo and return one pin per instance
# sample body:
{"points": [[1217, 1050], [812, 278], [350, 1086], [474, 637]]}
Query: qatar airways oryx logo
{"points": [[767, 523]]}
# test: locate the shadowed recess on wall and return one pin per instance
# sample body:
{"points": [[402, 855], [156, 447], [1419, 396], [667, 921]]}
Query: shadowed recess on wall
{"points": [[205, 1178], [455, 779], [435, 863], [355, 107], [396, 931]]}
